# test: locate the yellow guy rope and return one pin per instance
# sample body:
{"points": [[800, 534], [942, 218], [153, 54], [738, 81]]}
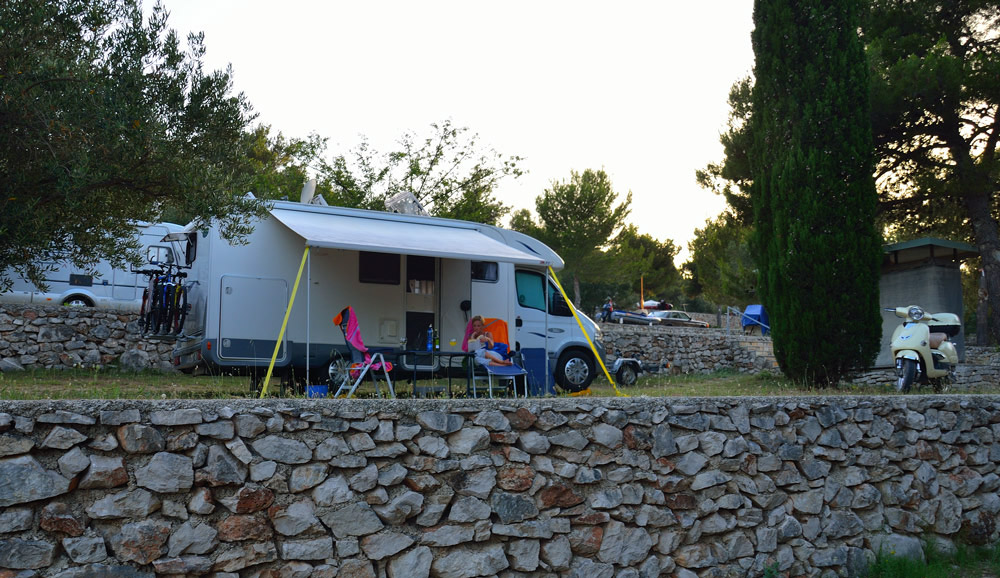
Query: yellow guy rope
{"points": [[284, 324], [585, 336]]}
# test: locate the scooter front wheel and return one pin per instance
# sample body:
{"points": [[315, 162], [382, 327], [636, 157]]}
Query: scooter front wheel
{"points": [[626, 375], [907, 375]]}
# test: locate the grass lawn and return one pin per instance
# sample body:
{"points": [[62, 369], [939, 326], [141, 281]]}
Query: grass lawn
{"points": [[112, 384], [966, 562]]}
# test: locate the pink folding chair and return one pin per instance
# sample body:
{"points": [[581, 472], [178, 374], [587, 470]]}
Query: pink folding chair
{"points": [[362, 361]]}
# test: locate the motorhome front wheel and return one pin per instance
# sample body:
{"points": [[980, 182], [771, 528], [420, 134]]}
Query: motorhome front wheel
{"points": [[575, 371]]}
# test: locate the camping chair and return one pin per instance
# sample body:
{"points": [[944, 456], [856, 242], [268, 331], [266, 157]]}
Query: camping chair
{"points": [[361, 359], [502, 373]]}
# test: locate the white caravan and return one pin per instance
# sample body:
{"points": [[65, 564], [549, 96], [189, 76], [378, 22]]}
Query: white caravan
{"points": [[101, 285], [402, 274]]}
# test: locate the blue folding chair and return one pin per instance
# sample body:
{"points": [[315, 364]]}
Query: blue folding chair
{"points": [[501, 373]]}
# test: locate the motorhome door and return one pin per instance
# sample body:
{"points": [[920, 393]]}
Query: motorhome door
{"points": [[251, 311]]}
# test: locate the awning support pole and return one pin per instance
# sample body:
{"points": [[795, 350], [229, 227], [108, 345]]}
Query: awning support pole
{"points": [[309, 269], [593, 348], [284, 324]]}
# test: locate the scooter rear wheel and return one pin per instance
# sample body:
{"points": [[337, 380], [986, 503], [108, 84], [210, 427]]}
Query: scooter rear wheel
{"points": [[907, 375]]}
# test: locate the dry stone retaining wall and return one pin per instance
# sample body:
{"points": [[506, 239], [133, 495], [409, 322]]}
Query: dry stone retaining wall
{"points": [[594, 488], [47, 337], [979, 371], [688, 350], [703, 351]]}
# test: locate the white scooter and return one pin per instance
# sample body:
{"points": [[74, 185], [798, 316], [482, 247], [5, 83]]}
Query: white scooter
{"points": [[922, 348]]}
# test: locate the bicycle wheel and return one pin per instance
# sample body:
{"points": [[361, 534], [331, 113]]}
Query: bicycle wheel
{"points": [[180, 308], [143, 310], [153, 317], [163, 317], [168, 309]]}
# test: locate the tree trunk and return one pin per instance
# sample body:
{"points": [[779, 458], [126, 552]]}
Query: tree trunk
{"points": [[987, 234], [576, 291], [982, 313]]}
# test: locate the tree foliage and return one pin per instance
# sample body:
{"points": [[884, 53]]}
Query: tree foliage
{"points": [[106, 120], [659, 277], [448, 172], [722, 266], [936, 122], [282, 164], [813, 194], [731, 178], [580, 221], [935, 94]]}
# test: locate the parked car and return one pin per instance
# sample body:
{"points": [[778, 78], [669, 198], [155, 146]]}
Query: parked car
{"points": [[677, 319], [632, 317]]}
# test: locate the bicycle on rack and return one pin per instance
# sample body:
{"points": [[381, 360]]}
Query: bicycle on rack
{"points": [[164, 301]]}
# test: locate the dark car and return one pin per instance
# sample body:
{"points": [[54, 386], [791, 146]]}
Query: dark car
{"points": [[632, 317], [677, 319]]}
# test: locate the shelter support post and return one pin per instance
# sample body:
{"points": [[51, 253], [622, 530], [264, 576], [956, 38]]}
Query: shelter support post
{"points": [[593, 348], [284, 324]]}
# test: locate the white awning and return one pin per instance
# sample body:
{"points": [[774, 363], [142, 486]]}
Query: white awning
{"points": [[405, 237]]}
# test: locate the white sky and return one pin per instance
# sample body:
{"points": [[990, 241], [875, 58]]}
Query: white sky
{"points": [[638, 89]]}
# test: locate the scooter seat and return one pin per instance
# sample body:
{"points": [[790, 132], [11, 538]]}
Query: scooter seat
{"points": [[936, 339]]}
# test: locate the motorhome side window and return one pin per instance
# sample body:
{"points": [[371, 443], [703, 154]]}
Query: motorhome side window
{"points": [[530, 289], [485, 271], [381, 268], [157, 254]]}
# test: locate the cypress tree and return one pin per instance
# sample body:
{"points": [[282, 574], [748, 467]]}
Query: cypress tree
{"points": [[813, 192]]}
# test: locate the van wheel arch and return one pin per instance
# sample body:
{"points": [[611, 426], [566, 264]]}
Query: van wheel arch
{"points": [[575, 370], [77, 301]]}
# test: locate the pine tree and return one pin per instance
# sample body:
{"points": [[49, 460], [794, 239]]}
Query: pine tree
{"points": [[813, 192]]}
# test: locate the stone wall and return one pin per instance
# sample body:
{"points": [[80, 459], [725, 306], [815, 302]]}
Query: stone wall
{"points": [[46, 337], [707, 350], [53, 337], [689, 350], [594, 488]]}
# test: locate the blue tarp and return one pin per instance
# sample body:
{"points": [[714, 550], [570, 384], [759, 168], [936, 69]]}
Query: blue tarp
{"points": [[755, 315]]}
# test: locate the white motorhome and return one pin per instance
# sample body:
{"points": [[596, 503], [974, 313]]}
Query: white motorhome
{"points": [[101, 285], [401, 273]]}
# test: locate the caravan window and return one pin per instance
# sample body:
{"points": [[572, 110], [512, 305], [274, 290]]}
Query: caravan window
{"points": [[381, 268], [530, 290], [485, 271], [420, 268]]}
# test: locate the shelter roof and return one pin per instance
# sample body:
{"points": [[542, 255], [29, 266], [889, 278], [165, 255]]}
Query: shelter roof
{"points": [[928, 249]]}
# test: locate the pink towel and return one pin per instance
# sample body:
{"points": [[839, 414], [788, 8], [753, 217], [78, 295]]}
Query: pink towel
{"points": [[352, 334], [468, 334]]}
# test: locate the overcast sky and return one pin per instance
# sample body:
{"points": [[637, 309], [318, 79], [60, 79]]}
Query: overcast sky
{"points": [[635, 88]]}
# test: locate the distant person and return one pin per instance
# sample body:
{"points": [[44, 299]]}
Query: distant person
{"points": [[606, 310]]}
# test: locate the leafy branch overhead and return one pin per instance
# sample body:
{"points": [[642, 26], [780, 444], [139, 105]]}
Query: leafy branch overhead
{"points": [[448, 172], [108, 119]]}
